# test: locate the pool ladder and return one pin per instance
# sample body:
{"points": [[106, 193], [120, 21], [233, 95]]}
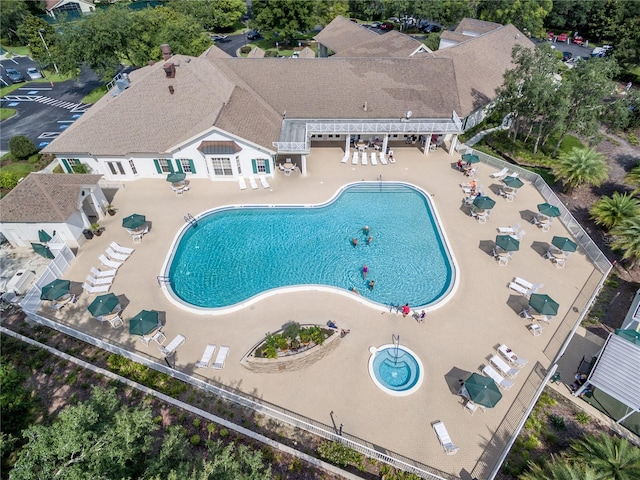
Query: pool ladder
{"points": [[395, 339], [190, 220], [162, 279]]}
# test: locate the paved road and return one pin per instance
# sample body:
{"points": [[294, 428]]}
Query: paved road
{"points": [[43, 112]]}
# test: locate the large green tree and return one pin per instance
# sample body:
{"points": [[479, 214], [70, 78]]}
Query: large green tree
{"points": [[12, 14], [559, 469], [283, 19], [580, 166], [633, 178], [327, 10], [612, 457], [100, 438], [611, 211], [527, 15], [626, 239], [212, 14], [39, 35]]}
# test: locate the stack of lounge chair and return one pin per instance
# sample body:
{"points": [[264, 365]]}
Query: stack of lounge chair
{"points": [[100, 280]]}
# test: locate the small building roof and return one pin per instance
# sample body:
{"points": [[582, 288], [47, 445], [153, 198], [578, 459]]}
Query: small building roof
{"points": [[256, 52], [45, 198], [391, 44], [474, 27], [306, 52], [342, 33]]}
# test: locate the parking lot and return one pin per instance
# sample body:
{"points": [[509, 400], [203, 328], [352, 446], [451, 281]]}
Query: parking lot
{"points": [[43, 111]]}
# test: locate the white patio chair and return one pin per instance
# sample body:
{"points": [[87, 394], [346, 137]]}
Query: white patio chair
{"points": [[158, 337], [221, 358], [252, 182], [503, 366], [103, 273], [499, 379], [511, 357], [444, 438], [242, 184], [109, 263], [374, 161], [173, 345], [526, 314], [354, 158], [120, 249], [512, 230], [500, 174], [99, 281], [559, 262], [116, 322], [363, 158], [535, 329], [518, 235], [263, 181], [90, 289], [206, 356], [115, 256], [473, 407], [534, 287], [525, 292], [383, 159]]}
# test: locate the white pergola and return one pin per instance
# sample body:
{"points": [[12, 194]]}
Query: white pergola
{"points": [[617, 373]]}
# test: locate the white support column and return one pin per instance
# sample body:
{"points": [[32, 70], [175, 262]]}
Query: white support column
{"points": [[427, 144], [97, 207], [347, 142], [303, 167], [385, 141], [454, 143]]}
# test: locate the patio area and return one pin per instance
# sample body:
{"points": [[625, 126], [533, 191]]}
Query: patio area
{"points": [[459, 337]]}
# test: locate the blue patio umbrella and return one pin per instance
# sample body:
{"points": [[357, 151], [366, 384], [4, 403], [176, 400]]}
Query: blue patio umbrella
{"points": [[482, 390], [42, 250], [549, 210], [513, 182], [43, 236], [484, 202], [470, 158], [134, 221], [56, 289], [507, 243], [543, 304], [144, 322], [176, 177], [564, 244]]}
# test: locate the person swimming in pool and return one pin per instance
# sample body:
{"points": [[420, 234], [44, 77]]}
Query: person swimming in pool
{"points": [[365, 270], [355, 290], [372, 284], [369, 240], [354, 241], [365, 229]]}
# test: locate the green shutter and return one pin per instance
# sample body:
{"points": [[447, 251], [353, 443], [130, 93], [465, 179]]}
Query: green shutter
{"points": [[193, 167], [179, 165], [66, 165], [170, 165], [267, 166], [157, 163], [254, 166]]}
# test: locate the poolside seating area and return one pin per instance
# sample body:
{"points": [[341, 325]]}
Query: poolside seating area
{"points": [[207, 355], [221, 358], [173, 345], [444, 438], [99, 281], [360, 156]]}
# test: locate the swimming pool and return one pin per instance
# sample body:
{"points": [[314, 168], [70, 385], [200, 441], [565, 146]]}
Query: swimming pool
{"points": [[237, 253]]}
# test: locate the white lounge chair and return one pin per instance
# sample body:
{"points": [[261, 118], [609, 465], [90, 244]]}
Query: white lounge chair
{"points": [[263, 181], [354, 158], [374, 161], [206, 356], [383, 159], [158, 337], [242, 184], [121, 249], [500, 174], [363, 158], [345, 158], [503, 366], [221, 358], [512, 230], [516, 287], [534, 287], [103, 273], [511, 357], [109, 263], [99, 281], [252, 182], [115, 256], [444, 438], [175, 343], [90, 289], [499, 379]]}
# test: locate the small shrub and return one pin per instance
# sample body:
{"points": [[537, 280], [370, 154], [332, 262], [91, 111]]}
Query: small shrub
{"points": [[196, 422], [224, 433], [80, 168], [339, 454], [271, 53], [582, 418], [557, 422], [157, 419], [211, 429], [21, 147], [194, 440], [633, 139], [8, 179], [551, 438], [245, 49], [531, 443]]}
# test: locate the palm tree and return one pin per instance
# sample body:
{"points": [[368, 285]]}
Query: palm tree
{"points": [[610, 456], [610, 211], [580, 165], [627, 239], [633, 178], [560, 469]]}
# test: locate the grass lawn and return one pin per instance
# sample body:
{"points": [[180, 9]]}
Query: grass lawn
{"points": [[6, 113], [21, 169], [95, 95], [23, 50]]}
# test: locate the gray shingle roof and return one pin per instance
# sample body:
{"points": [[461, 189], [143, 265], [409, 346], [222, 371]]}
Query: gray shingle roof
{"points": [[342, 33], [44, 197], [391, 44]]}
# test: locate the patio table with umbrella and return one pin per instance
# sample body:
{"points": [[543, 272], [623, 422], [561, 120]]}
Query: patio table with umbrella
{"points": [[512, 182], [144, 322], [176, 177], [543, 304], [564, 244], [134, 222], [548, 210], [470, 158], [104, 305], [483, 202], [482, 390], [507, 243], [42, 250], [55, 290]]}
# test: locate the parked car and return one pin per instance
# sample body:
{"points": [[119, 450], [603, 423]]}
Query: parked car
{"points": [[375, 25], [14, 75], [566, 56], [220, 38], [253, 35], [578, 40], [562, 37], [601, 51], [551, 36], [431, 28], [386, 26], [33, 73]]}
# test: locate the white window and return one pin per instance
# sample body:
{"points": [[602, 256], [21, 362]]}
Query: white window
{"points": [[115, 168], [222, 166], [72, 162], [133, 167], [165, 165], [261, 165], [185, 163]]}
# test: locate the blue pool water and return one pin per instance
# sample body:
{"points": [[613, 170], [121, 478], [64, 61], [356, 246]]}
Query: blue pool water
{"points": [[396, 369], [236, 253]]}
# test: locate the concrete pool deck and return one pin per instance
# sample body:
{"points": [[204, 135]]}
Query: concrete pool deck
{"points": [[459, 337]]}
